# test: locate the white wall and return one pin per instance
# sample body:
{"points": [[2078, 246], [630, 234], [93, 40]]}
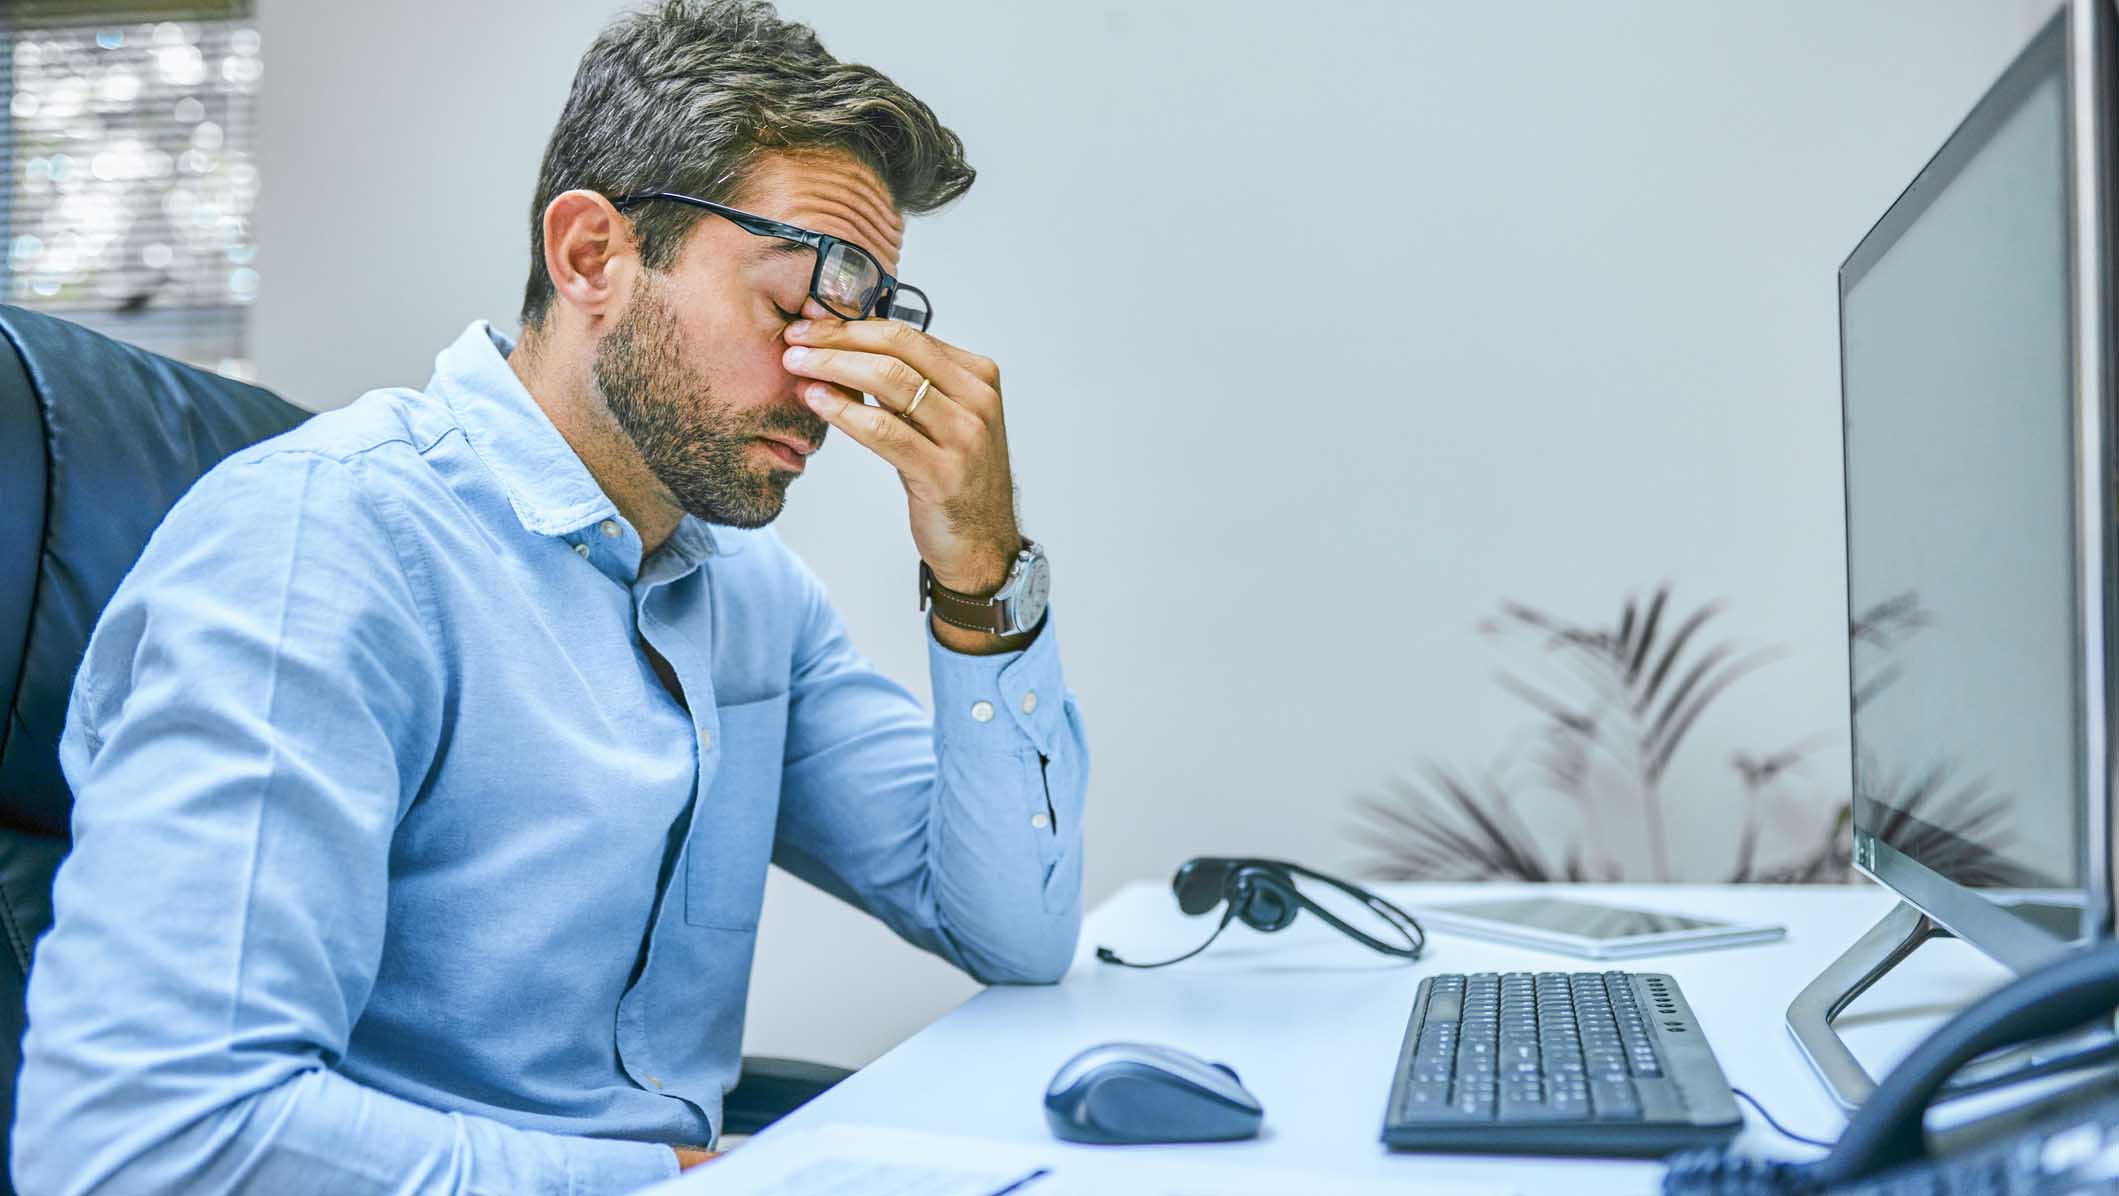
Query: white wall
{"points": [[1328, 325]]}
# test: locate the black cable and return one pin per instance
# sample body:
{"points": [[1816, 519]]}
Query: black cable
{"points": [[1784, 1130], [1107, 955]]}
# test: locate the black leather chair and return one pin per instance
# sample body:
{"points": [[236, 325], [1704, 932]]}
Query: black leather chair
{"points": [[98, 440]]}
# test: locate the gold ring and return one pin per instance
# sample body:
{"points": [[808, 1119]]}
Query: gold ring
{"points": [[916, 397]]}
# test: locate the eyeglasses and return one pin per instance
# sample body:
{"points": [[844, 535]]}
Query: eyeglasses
{"points": [[846, 280]]}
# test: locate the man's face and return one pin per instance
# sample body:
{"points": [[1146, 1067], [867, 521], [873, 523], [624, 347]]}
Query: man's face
{"points": [[692, 369]]}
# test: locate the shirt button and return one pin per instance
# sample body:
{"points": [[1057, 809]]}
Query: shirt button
{"points": [[982, 712], [652, 1080], [706, 741], [1030, 702], [610, 528], [1038, 821], [582, 551]]}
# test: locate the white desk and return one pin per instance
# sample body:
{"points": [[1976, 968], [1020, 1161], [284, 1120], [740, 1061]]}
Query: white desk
{"points": [[1312, 1022]]}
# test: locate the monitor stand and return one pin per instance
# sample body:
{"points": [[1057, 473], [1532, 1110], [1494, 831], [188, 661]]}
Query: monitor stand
{"points": [[1811, 1014], [1902, 931]]}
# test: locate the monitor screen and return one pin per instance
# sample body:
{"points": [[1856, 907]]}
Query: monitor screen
{"points": [[1961, 559]]}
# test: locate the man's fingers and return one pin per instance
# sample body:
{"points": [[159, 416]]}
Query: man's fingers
{"points": [[895, 384], [985, 369], [876, 428], [969, 379], [845, 392], [982, 368], [886, 378]]}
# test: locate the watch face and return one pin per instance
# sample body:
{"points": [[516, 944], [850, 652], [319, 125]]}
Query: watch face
{"points": [[1037, 592]]}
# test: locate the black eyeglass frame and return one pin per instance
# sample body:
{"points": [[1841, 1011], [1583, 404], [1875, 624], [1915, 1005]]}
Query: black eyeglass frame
{"points": [[887, 287]]}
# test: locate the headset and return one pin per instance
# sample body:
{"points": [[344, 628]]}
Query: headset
{"points": [[1263, 893]]}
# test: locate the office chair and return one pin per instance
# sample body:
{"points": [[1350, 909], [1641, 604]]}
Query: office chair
{"points": [[98, 440]]}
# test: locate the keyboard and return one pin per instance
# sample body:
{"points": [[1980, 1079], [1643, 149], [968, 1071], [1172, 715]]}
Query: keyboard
{"points": [[1591, 1063]]}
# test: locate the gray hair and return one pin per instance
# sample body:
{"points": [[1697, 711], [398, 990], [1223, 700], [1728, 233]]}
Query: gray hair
{"points": [[689, 94]]}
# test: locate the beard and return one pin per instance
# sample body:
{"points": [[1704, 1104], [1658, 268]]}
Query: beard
{"points": [[695, 443]]}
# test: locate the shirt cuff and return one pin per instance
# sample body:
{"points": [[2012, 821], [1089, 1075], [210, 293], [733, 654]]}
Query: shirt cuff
{"points": [[993, 703], [609, 1166]]}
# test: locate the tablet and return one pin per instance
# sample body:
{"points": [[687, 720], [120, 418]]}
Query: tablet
{"points": [[1589, 929]]}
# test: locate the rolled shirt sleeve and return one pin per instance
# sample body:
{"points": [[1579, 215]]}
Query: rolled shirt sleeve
{"points": [[244, 737], [962, 831]]}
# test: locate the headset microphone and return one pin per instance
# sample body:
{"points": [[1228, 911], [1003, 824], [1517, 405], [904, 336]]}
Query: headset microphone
{"points": [[1107, 955]]}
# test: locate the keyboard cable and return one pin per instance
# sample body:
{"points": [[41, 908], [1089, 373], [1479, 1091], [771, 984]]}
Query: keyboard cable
{"points": [[1775, 1123]]}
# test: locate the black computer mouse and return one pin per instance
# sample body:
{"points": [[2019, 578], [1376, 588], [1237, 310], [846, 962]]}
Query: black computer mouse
{"points": [[1137, 1092]]}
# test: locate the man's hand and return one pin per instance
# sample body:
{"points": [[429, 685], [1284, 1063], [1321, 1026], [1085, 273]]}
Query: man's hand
{"points": [[951, 452], [687, 1158]]}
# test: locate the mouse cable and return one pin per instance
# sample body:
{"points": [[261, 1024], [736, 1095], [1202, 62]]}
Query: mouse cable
{"points": [[1772, 1121]]}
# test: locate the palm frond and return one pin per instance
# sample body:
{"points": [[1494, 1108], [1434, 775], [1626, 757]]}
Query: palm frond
{"points": [[1619, 704], [1670, 731], [1615, 707], [1447, 831], [1638, 652], [1958, 828]]}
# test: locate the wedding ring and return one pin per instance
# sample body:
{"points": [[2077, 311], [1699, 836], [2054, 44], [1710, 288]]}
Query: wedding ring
{"points": [[916, 397]]}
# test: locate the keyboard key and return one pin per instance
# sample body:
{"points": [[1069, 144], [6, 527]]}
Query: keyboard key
{"points": [[1615, 1100], [1426, 1094], [1540, 1111], [1445, 1005]]}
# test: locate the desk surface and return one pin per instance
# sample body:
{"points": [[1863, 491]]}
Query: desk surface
{"points": [[1312, 1022]]}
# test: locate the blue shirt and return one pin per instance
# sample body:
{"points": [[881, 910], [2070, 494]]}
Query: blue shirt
{"points": [[396, 869]]}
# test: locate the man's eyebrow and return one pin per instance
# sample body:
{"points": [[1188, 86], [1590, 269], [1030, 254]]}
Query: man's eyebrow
{"points": [[777, 247]]}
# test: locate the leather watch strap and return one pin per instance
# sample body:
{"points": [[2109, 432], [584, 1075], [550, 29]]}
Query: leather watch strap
{"points": [[961, 610]]}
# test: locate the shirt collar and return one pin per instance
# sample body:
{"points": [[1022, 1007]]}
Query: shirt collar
{"points": [[552, 492]]}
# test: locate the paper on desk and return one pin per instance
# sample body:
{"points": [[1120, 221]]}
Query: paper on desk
{"points": [[868, 1160]]}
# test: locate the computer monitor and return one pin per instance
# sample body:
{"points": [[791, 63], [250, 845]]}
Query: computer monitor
{"points": [[1976, 348]]}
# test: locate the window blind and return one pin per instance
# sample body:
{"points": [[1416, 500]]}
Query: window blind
{"points": [[130, 182]]}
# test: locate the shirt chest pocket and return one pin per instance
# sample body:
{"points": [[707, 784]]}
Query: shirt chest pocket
{"points": [[732, 831]]}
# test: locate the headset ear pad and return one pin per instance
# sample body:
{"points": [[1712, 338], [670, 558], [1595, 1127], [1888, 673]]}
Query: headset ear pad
{"points": [[1200, 883], [1263, 899]]}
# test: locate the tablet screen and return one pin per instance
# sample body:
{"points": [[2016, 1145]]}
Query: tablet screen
{"points": [[1579, 918]]}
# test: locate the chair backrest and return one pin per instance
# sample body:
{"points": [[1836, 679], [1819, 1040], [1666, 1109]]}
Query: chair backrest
{"points": [[97, 441]]}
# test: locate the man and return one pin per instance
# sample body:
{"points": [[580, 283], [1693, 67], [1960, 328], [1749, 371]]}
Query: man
{"points": [[428, 765]]}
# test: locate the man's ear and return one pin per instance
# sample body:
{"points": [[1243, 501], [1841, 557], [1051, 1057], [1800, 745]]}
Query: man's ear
{"points": [[589, 252]]}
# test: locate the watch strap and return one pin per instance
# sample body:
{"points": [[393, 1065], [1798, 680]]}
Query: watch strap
{"points": [[989, 615]]}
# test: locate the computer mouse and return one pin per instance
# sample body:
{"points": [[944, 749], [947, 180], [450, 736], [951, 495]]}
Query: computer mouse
{"points": [[1137, 1092]]}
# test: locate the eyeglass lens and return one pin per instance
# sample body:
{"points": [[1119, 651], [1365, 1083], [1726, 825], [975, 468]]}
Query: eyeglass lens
{"points": [[848, 280], [909, 305], [848, 283]]}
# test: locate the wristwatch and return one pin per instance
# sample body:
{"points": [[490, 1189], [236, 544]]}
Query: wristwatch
{"points": [[1018, 606]]}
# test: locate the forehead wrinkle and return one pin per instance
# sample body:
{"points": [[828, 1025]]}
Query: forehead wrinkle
{"points": [[832, 193], [873, 204], [883, 241]]}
